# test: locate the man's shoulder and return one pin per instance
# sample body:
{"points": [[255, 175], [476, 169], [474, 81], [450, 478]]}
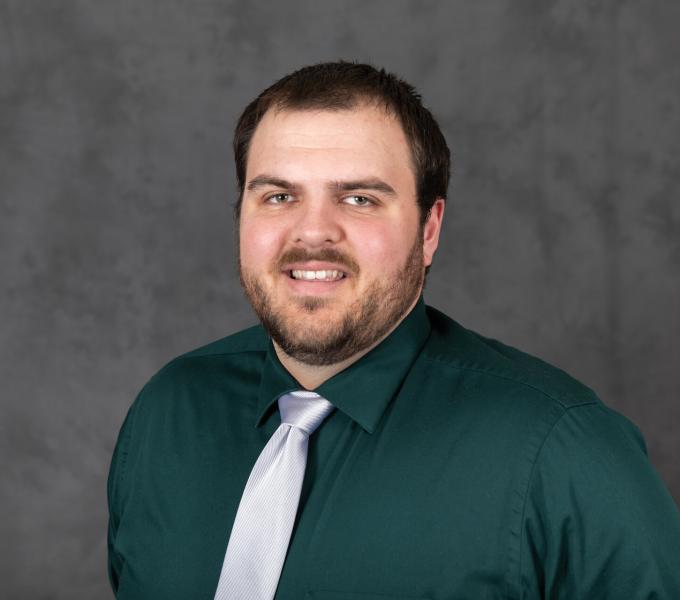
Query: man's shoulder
{"points": [[238, 350], [454, 346], [252, 339]]}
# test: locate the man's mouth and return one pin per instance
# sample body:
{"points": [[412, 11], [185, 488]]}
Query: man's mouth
{"points": [[324, 275]]}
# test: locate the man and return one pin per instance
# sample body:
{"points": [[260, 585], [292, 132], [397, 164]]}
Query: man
{"points": [[359, 444]]}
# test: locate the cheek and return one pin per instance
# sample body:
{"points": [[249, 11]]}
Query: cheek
{"points": [[259, 242], [380, 248]]}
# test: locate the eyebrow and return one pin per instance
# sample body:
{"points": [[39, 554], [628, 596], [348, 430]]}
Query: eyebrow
{"points": [[267, 180], [372, 183]]}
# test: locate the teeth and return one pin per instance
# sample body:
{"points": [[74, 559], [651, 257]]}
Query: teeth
{"points": [[317, 275]]}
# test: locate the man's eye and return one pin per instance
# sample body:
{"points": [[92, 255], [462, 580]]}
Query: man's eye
{"points": [[278, 198], [358, 200]]}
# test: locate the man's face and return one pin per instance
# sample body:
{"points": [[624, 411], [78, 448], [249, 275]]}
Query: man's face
{"points": [[332, 254]]}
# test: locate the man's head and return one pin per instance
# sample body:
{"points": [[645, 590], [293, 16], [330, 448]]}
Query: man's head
{"points": [[343, 180], [342, 86]]}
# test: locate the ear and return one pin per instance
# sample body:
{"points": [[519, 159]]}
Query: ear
{"points": [[431, 231]]}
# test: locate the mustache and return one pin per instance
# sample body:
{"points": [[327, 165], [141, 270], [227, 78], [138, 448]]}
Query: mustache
{"points": [[325, 255]]}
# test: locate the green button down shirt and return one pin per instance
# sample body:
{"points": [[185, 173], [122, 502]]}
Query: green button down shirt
{"points": [[454, 467]]}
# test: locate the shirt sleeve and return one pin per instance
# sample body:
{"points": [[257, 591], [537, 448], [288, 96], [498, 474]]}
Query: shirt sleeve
{"points": [[115, 492], [598, 521]]}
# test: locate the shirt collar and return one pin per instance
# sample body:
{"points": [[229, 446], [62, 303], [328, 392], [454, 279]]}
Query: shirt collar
{"points": [[364, 389]]}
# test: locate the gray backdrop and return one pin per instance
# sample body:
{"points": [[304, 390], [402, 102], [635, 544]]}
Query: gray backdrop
{"points": [[562, 233]]}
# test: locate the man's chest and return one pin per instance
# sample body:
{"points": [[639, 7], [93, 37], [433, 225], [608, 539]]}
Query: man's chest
{"points": [[410, 515]]}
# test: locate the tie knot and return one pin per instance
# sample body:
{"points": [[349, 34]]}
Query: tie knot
{"points": [[304, 410]]}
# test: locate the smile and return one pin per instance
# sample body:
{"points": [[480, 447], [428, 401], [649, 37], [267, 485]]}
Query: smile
{"points": [[326, 275]]}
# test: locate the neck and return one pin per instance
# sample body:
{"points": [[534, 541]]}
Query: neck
{"points": [[312, 376]]}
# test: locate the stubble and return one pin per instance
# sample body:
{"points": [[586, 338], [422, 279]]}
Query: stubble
{"points": [[364, 321]]}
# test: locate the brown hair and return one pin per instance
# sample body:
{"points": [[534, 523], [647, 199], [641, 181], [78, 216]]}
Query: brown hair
{"points": [[341, 86]]}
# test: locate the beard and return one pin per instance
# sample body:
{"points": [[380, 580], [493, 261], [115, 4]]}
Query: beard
{"points": [[363, 322]]}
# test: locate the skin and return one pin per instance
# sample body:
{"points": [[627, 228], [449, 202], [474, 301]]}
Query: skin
{"points": [[332, 190]]}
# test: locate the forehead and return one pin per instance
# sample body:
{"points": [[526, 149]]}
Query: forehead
{"points": [[365, 138]]}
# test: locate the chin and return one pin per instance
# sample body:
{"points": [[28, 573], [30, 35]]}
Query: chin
{"points": [[315, 322]]}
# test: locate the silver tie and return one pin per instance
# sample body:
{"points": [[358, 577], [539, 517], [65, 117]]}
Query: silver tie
{"points": [[266, 514]]}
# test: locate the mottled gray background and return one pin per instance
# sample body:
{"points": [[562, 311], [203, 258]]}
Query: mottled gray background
{"points": [[562, 234]]}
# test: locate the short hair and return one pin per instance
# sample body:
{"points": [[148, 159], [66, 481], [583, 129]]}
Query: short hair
{"points": [[343, 85]]}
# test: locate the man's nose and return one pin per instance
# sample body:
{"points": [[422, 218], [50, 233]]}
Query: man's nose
{"points": [[317, 223]]}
